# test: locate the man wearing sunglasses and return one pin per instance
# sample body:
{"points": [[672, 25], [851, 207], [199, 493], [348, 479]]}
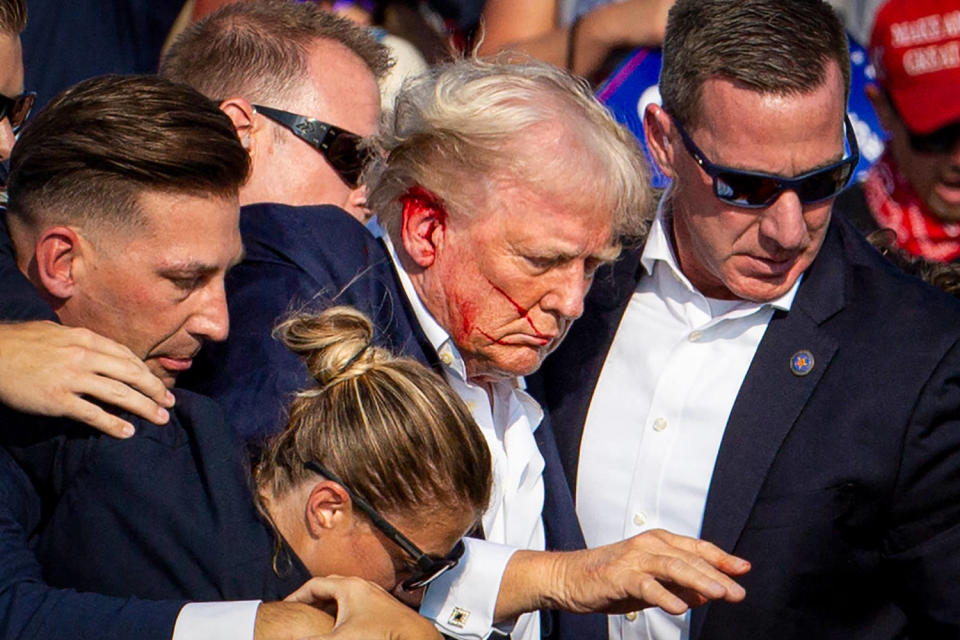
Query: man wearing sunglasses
{"points": [[15, 104], [300, 86], [756, 374], [915, 187]]}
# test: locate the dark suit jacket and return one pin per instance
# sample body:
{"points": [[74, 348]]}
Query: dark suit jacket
{"points": [[842, 487], [312, 257], [29, 608], [166, 514], [297, 259]]}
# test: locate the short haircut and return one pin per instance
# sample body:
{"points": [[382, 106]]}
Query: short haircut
{"points": [[391, 428], [87, 156], [258, 49], [780, 47], [13, 16], [465, 127]]}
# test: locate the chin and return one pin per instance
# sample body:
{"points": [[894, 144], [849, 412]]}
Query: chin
{"points": [[168, 378]]}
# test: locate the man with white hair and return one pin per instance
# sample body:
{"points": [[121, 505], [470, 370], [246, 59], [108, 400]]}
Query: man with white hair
{"points": [[491, 243]]}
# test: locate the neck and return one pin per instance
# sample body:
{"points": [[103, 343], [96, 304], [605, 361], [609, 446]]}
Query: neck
{"points": [[286, 519]]}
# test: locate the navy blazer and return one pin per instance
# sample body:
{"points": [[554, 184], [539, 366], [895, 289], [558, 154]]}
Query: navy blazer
{"points": [[166, 514], [29, 608], [310, 258], [297, 259], [842, 487]]}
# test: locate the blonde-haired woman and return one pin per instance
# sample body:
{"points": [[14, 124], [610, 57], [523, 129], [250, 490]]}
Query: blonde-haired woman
{"points": [[378, 474]]}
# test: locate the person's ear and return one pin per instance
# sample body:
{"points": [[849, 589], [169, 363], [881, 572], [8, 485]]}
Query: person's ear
{"points": [[59, 256], [328, 507], [423, 226], [881, 105], [657, 129], [356, 204], [242, 113]]}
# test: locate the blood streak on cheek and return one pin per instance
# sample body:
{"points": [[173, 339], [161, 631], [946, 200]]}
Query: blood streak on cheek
{"points": [[490, 337], [468, 316], [523, 311]]}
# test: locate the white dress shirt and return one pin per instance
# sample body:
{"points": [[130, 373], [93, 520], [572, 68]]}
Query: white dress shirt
{"points": [[507, 417], [658, 413], [217, 620]]}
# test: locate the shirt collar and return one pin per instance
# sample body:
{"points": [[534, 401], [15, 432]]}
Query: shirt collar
{"points": [[659, 248]]}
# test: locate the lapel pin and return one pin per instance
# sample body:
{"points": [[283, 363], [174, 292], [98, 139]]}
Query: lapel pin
{"points": [[801, 363]]}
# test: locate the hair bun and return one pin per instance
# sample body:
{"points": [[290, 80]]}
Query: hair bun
{"points": [[336, 344]]}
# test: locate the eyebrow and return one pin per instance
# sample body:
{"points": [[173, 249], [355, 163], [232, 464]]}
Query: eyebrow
{"points": [[197, 268]]}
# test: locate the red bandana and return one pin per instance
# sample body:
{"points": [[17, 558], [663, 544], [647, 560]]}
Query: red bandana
{"points": [[895, 205]]}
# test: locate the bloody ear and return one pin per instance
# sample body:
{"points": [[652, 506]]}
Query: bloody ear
{"points": [[423, 226]]}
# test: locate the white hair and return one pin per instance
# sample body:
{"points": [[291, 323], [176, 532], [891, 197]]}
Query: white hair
{"points": [[465, 127]]}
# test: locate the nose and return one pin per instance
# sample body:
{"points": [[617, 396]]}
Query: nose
{"points": [[211, 320], [566, 296], [6, 139], [783, 223]]}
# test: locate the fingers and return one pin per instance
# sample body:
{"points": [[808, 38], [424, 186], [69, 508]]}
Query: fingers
{"points": [[313, 591], [115, 361], [699, 566], [694, 573], [76, 408], [49, 369], [113, 387]]}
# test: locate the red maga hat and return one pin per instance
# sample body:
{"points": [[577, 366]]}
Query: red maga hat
{"points": [[915, 49]]}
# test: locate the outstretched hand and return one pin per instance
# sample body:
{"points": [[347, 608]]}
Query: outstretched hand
{"points": [[653, 569], [364, 611], [52, 370], [656, 568]]}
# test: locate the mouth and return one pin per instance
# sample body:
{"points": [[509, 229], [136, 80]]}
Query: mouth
{"points": [[527, 340], [773, 267], [175, 363], [949, 190], [520, 339]]}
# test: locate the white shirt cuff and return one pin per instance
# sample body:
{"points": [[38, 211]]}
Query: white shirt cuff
{"points": [[462, 601], [217, 621]]}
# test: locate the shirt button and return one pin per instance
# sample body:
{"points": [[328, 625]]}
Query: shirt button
{"points": [[659, 424], [632, 616], [695, 336], [640, 518], [446, 358]]}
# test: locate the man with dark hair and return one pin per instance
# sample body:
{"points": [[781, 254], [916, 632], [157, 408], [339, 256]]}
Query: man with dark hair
{"points": [[123, 215], [756, 375], [915, 187]]}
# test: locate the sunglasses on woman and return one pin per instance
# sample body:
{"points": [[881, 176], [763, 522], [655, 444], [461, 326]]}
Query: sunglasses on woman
{"points": [[17, 109], [756, 190], [340, 147], [428, 567]]}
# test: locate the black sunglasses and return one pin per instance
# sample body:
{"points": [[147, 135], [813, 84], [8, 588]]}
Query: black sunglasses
{"points": [[17, 109], [943, 140], [340, 147], [755, 189], [428, 567]]}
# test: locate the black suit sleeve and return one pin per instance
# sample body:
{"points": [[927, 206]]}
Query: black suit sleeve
{"points": [[31, 609], [922, 542]]}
